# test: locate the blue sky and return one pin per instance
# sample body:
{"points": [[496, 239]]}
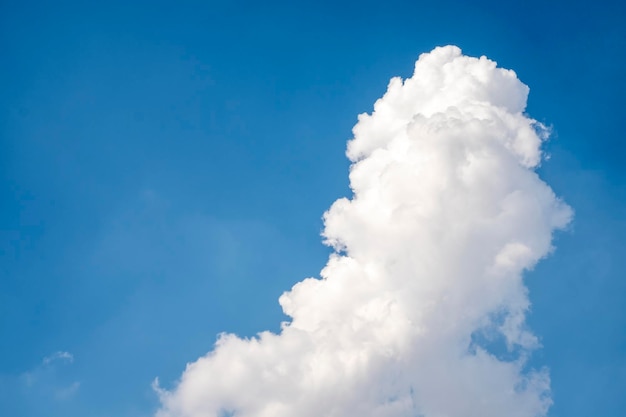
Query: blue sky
{"points": [[164, 169]]}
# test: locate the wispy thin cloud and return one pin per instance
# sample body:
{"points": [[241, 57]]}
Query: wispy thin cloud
{"points": [[65, 393], [48, 380], [58, 356]]}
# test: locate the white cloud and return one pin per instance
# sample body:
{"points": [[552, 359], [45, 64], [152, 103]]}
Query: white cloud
{"points": [[447, 214], [58, 356], [48, 380], [32, 376]]}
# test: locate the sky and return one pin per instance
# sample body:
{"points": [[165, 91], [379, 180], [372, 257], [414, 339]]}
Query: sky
{"points": [[165, 169]]}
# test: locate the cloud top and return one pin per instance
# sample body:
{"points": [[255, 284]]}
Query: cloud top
{"points": [[447, 213]]}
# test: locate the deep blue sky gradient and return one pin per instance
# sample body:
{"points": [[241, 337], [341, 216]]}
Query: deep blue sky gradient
{"points": [[164, 168]]}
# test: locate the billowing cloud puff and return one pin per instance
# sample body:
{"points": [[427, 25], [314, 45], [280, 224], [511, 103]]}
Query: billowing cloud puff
{"points": [[447, 214]]}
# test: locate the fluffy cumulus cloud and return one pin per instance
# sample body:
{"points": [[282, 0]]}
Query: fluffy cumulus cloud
{"points": [[421, 309]]}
